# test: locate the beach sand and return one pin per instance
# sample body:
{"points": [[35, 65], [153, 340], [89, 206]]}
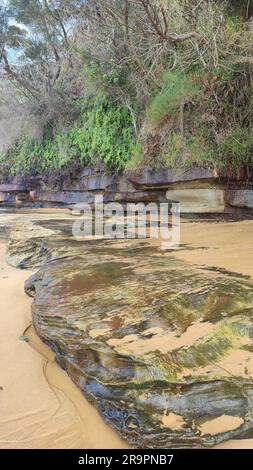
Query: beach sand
{"points": [[224, 245]]}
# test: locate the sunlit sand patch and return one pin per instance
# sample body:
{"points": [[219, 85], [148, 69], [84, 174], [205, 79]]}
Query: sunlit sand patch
{"points": [[126, 340], [173, 421], [133, 344], [96, 332], [230, 245], [127, 242], [152, 331], [237, 362], [221, 424]]}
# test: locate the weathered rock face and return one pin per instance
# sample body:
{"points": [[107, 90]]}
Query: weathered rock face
{"points": [[140, 185], [242, 198], [198, 200], [96, 181], [149, 339], [26, 247], [15, 190], [6, 197], [146, 177]]}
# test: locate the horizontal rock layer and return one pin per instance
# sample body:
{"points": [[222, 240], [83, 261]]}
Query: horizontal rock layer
{"points": [[140, 185]]}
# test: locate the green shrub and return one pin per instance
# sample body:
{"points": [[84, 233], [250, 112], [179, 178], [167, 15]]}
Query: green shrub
{"points": [[236, 148], [177, 88], [25, 157], [104, 131], [183, 152], [233, 149], [136, 159]]}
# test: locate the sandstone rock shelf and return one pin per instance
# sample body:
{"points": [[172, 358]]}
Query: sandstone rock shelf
{"points": [[139, 185]]}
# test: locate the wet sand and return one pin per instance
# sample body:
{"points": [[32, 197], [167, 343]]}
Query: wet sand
{"points": [[40, 405], [222, 245]]}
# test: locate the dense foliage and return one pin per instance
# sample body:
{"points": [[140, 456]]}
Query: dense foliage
{"points": [[103, 132], [129, 82]]}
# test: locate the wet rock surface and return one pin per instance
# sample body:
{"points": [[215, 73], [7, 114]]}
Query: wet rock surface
{"points": [[163, 350], [26, 247]]}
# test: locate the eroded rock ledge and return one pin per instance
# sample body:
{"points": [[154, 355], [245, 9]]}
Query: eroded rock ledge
{"points": [[140, 185], [147, 338]]}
